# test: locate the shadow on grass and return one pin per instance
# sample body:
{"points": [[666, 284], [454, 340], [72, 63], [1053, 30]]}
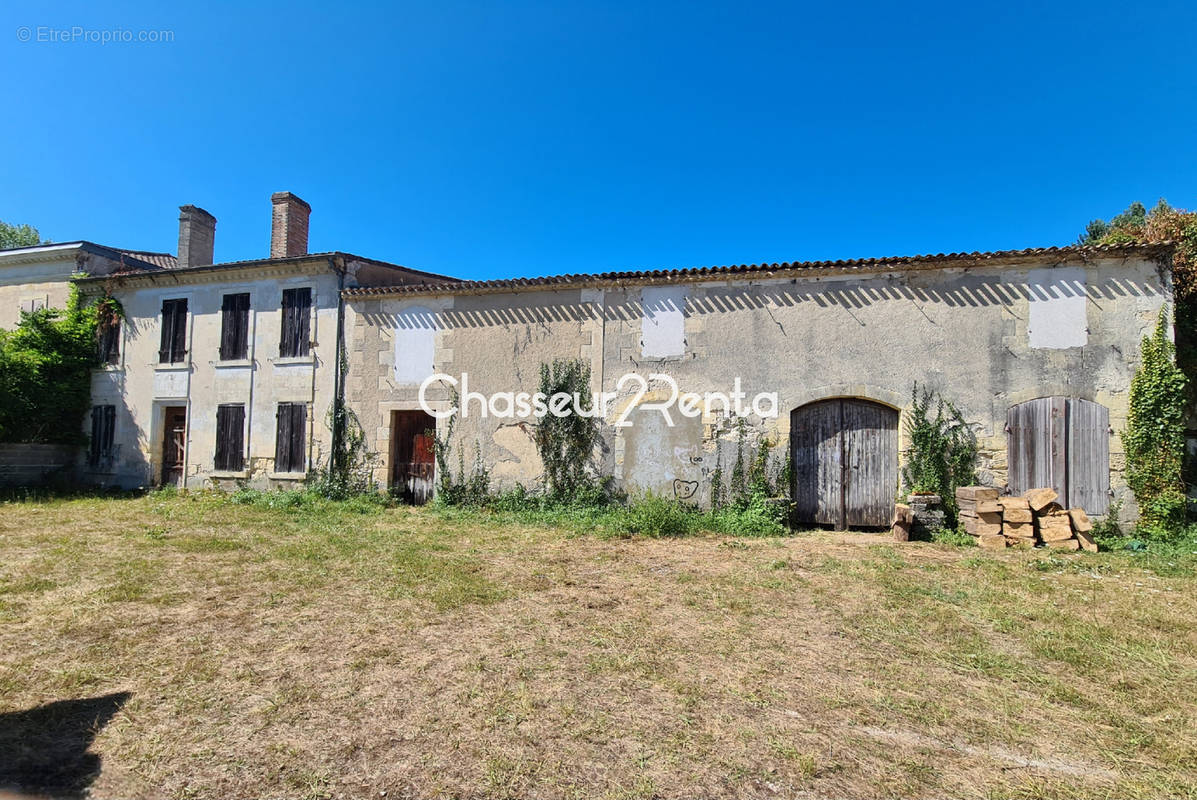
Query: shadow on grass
{"points": [[45, 749]]}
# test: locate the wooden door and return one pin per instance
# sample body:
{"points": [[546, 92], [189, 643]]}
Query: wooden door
{"points": [[845, 455], [174, 445], [1064, 443], [413, 462]]}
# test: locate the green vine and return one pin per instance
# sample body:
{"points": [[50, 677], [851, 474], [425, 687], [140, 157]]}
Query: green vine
{"points": [[942, 451], [566, 443], [45, 370], [1154, 438]]}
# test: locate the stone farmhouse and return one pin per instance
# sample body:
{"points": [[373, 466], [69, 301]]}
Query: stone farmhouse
{"points": [[227, 372]]}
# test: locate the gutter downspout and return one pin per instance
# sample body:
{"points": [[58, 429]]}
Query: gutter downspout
{"points": [[337, 264]]}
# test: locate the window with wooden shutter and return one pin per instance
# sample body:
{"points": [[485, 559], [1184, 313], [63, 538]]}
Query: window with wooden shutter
{"points": [[103, 429], [230, 437], [174, 332], [110, 342], [234, 327], [289, 450], [297, 313]]}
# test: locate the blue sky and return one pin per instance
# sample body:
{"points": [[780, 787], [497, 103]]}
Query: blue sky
{"points": [[492, 140]]}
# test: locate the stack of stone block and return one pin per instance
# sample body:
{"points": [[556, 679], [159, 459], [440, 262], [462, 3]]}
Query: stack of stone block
{"points": [[1000, 522]]}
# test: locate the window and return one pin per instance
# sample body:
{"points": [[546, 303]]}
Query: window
{"points": [[289, 446], [174, 332], [297, 312], [110, 342], [230, 438], [234, 327], [103, 425]]}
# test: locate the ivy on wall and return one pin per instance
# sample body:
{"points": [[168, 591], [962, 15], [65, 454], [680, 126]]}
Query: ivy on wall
{"points": [[45, 370], [1154, 438]]}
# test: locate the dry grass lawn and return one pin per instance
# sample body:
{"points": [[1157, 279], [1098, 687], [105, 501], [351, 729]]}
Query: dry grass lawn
{"points": [[327, 652]]}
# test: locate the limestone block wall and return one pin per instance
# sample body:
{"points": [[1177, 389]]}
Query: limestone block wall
{"points": [[142, 389], [986, 337]]}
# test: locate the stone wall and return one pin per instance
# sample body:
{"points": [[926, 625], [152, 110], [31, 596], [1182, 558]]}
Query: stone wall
{"points": [[37, 464], [986, 336]]}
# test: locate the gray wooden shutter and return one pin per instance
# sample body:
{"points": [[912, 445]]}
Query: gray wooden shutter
{"points": [[1089, 456]]}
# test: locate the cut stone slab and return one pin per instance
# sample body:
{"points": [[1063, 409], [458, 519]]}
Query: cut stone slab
{"points": [[1064, 544], [976, 493], [1086, 541], [1038, 499], [1021, 530], [1014, 502], [1080, 520], [1017, 515], [992, 542]]}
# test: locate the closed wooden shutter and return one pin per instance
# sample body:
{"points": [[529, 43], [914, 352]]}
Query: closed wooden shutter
{"points": [[173, 347], [234, 327], [230, 437], [103, 429], [289, 454], [97, 423], [296, 333], [110, 337]]}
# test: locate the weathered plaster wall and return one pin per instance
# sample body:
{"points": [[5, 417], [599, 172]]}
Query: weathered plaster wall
{"points": [[986, 337], [44, 283], [142, 388]]}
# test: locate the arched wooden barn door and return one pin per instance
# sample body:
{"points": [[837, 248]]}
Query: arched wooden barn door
{"points": [[1064, 443], [845, 456]]}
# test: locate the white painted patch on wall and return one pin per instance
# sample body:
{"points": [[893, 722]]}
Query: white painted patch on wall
{"points": [[415, 345], [172, 382], [663, 321], [1058, 309]]}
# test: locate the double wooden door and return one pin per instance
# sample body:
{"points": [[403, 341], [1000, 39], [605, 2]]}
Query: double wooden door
{"points": [[845, 457], [1064, 443]]}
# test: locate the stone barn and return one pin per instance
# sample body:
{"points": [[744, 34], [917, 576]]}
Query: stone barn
{"points": [[1035, 347]]}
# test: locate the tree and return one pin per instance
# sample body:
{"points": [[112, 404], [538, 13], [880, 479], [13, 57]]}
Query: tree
{"points": [[1163, 223], [12, 236]]}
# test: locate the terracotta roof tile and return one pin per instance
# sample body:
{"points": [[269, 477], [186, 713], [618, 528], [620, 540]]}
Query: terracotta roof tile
{"points": [[716, 273]]}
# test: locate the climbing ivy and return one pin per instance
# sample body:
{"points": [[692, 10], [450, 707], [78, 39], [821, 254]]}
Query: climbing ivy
{"points": [[45, 370], [566, 443], [1154, 438]]}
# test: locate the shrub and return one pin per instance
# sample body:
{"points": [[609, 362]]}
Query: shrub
{"points": [[45, 371], [658, 517], [943, 449], [1154, 438]]}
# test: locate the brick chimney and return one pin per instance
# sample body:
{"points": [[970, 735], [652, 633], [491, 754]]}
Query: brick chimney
{"points": [[289, 226], [197, 236]]}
